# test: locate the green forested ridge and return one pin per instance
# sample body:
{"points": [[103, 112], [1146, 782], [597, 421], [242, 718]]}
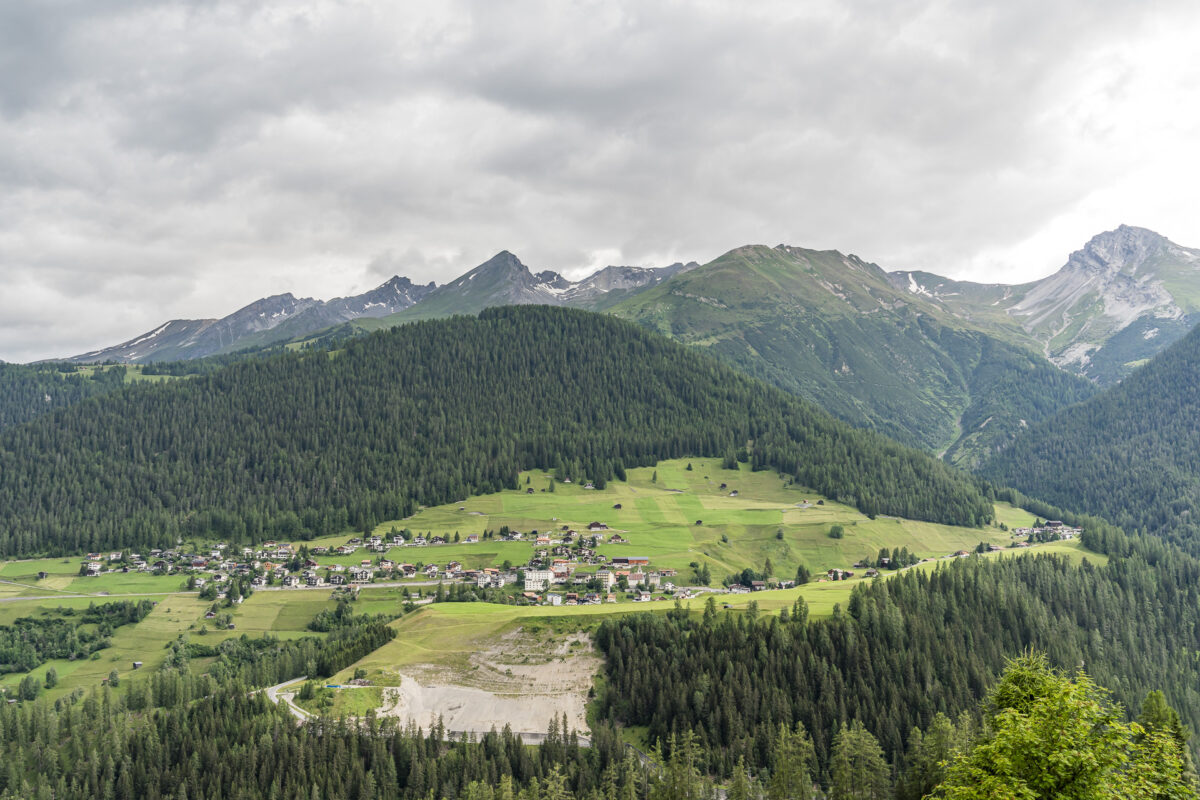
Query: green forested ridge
{"points": [[1131, 454], [906, 649], [28, 391], [833, 329], [304, 444]]}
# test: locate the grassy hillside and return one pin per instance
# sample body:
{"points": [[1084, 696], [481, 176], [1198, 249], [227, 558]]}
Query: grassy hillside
{"points": [[770, 518], [834, 329]]}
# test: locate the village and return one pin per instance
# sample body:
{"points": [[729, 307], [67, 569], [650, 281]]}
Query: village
{"points": [[564, 567]]}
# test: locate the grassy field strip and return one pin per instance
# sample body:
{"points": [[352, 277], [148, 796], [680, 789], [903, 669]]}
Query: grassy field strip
{"points": [[660, 508], [145, 642]]}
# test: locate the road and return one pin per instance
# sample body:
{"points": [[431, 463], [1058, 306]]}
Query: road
{"points": [[275, 695]]}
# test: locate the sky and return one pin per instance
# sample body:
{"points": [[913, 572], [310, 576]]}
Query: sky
{"points": [[171, 159]]}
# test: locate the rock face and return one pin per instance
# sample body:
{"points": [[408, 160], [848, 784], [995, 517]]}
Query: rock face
{"points": [[1125, 296]]}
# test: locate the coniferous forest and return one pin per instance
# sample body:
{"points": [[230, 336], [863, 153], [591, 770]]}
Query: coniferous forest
{"points": [[28, 391], [1131, 454], [303, 444]]}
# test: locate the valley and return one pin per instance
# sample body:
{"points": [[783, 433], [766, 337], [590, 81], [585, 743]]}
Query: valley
{"points": [[440, 645]]}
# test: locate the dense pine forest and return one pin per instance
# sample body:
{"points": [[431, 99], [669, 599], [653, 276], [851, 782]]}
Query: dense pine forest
{"points": [[300, 444], [1131, 454], [28, 391], [905, 650]]}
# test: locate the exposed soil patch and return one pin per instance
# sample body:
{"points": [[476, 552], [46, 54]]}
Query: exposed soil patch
{"points": [[520, 679]]}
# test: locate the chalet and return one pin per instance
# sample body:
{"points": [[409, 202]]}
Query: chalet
{"points": [[454, 567], [408, 570], [758, 586], [360, 575], [1054, 523], [337, 568], [337, 580], [617, 538], [385, 563], [431, 570], [439, 540], [114, 556], [313, 580], [472, 538], [597, 526], [542, 539], [637, 578], [642, 597], [375, 540], [571, 599], [871, 573], [291, 580], [420, 541], [737, 588], [346, 549], [93, 568]]}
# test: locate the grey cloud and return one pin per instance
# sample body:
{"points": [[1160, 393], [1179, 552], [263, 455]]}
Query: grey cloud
{"points": [[181, 159]]}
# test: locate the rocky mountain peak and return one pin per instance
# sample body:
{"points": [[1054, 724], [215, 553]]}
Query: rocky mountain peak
{"points": [[1126, 250]]}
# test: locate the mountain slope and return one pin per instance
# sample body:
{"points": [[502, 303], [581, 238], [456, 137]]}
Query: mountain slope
{"points": [[272, 319], [1131, 454], [1125, 296], [834, 329], [300, 444]]}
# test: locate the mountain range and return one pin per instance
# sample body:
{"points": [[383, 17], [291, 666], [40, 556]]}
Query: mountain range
{"points": [[501, 280], [954, 367]]}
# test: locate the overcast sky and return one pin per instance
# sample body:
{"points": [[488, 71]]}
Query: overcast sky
{"points": [[162, 159]]}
